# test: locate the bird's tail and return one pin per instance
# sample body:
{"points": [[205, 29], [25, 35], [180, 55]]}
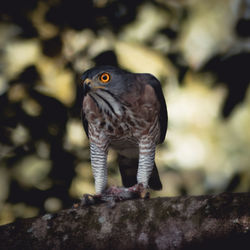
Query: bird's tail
{"points": [[128, 169]]}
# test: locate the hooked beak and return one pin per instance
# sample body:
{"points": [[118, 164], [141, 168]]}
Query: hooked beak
{"points": [[86, 86]]}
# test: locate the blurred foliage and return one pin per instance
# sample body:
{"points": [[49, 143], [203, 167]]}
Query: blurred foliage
{"points": [[200, 50]]}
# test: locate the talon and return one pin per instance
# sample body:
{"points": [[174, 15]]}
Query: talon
{"points": [[75, 205], [140, 190], [87, 200]]}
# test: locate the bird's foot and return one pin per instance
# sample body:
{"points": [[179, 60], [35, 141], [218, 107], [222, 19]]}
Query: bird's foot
{"points": [[88, 200], [121, 193], [141, 191], [114, 194]]}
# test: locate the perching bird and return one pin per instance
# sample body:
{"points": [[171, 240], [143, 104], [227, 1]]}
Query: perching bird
{"points": [[127, 112]]}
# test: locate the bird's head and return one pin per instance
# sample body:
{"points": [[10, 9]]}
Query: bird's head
{"points": [[107, 78]]}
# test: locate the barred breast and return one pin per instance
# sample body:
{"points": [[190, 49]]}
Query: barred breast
{"points": [[121, 124]]}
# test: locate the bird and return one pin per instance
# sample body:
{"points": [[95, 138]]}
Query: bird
{"points": [[126, 112]]}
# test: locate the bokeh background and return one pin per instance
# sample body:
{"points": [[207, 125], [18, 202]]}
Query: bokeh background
{"points": [[199, 50]]}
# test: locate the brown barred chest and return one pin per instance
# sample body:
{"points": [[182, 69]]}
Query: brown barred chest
{"points": [[123, 131]]}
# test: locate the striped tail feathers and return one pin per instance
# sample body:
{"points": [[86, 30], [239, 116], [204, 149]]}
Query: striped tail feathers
{"points": [[128, 169]]}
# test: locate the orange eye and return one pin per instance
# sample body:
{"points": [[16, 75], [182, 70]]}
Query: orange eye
{"points": [[104, 77]]}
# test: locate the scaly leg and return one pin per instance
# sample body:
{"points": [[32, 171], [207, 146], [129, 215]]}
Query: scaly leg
{"points": [[99, 167], [146, 161]]}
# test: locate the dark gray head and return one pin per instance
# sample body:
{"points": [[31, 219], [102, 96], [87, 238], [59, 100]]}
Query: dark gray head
{"points": [[109, 78]]}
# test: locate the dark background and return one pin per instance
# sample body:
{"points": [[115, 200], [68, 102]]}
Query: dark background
{"points": [[199, 51]]}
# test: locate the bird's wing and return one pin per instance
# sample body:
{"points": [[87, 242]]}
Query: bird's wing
{"points": [[83, 96], [85, 123], [163, 118]]}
